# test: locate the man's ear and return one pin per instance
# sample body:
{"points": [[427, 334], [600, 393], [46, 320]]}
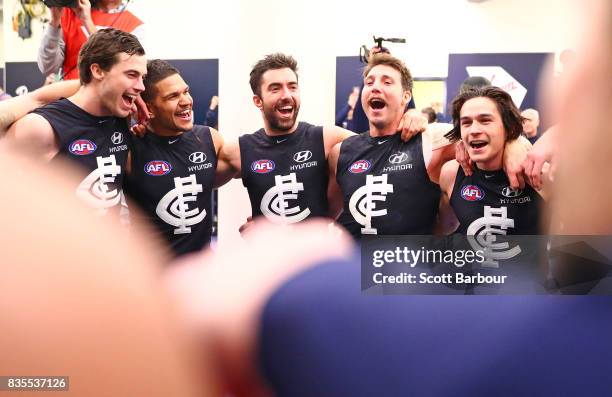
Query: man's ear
{"points": [[258, 101], [406, 97], [97, 73], [151, 109]]}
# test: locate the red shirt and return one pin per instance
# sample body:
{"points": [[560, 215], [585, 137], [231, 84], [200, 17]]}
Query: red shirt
{"points": [[75, 33]]}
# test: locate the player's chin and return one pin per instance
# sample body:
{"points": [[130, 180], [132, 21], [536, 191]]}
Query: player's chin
{"points": [[122, 112], [185, 126], [286, 124], [377, 117]]}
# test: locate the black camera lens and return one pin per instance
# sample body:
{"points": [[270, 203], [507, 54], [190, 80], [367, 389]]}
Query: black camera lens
{"points": [[60, 3]]}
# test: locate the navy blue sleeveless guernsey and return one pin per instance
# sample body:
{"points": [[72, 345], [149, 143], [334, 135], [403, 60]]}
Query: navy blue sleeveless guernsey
{"points": [[486, 199], [98, 145], [385, 186], [286, 176], [172, 180]]}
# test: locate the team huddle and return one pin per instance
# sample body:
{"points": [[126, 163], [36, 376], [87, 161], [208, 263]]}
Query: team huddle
{"points": [[399, 178]]}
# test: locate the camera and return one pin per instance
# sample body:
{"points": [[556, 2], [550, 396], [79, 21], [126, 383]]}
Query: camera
{"points": [[60, 3], [364, 52], [64, 3]]}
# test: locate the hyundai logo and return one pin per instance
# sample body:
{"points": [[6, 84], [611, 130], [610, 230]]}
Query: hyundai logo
{"points": [[117, 137], [398, 158], [197, 157], [302, 156], [510, 192]]}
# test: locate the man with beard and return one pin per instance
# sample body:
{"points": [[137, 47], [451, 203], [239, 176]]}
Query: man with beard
{"points": [[172, 168], [283, 165], [89, 127]]}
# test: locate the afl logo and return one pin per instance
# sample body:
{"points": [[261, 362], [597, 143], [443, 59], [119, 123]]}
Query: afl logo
{"points": [[510, 193], [472, 193], [197, 157], [302, 156], [157, 167], [360, 166], [262, 166], [398, 158], [82, 147]]}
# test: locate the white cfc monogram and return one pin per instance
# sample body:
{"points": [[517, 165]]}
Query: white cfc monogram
{"points": [[94, 189], [363, 202], [274, 204], [173, 208], [482, 235]]}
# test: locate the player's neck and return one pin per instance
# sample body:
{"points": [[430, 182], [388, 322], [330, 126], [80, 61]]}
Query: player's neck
{"points": [[494, 164], [389, 129], [88, 99], [386, 129], [531, 134], [275, 132], [161, 131]]}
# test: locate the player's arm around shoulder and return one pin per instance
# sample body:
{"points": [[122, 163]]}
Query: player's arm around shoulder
{"points": [[217, 139], [55, 91], [448, 174], [228, 158], [437, 150], [545, 188], [16, 108], [447, 220], [332, 160], [515, 153], [34, 135], [334, 193], [334, 135]]}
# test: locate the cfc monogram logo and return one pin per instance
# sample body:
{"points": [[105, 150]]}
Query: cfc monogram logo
{"points": [[483, 232], [274, 203], [173, 208], [94, 189], [362, 203]]}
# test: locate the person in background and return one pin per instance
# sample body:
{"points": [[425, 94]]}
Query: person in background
{"points": [[212, 115], [344, 118], [430, 113], [70, 28], [531, 122]]}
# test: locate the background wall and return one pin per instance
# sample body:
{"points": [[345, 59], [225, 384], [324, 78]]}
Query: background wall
{"points": [[238, 32]]}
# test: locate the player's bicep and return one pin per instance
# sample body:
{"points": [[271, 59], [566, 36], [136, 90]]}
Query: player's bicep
{"points": [[224, 173], [228, 161], [334, 198], [333, 136], [217, 139], [34, 135], [448, 176], [447, 221], [332, 160]]}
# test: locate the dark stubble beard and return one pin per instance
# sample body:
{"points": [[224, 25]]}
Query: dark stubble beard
{"points": [[276, 124]]}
